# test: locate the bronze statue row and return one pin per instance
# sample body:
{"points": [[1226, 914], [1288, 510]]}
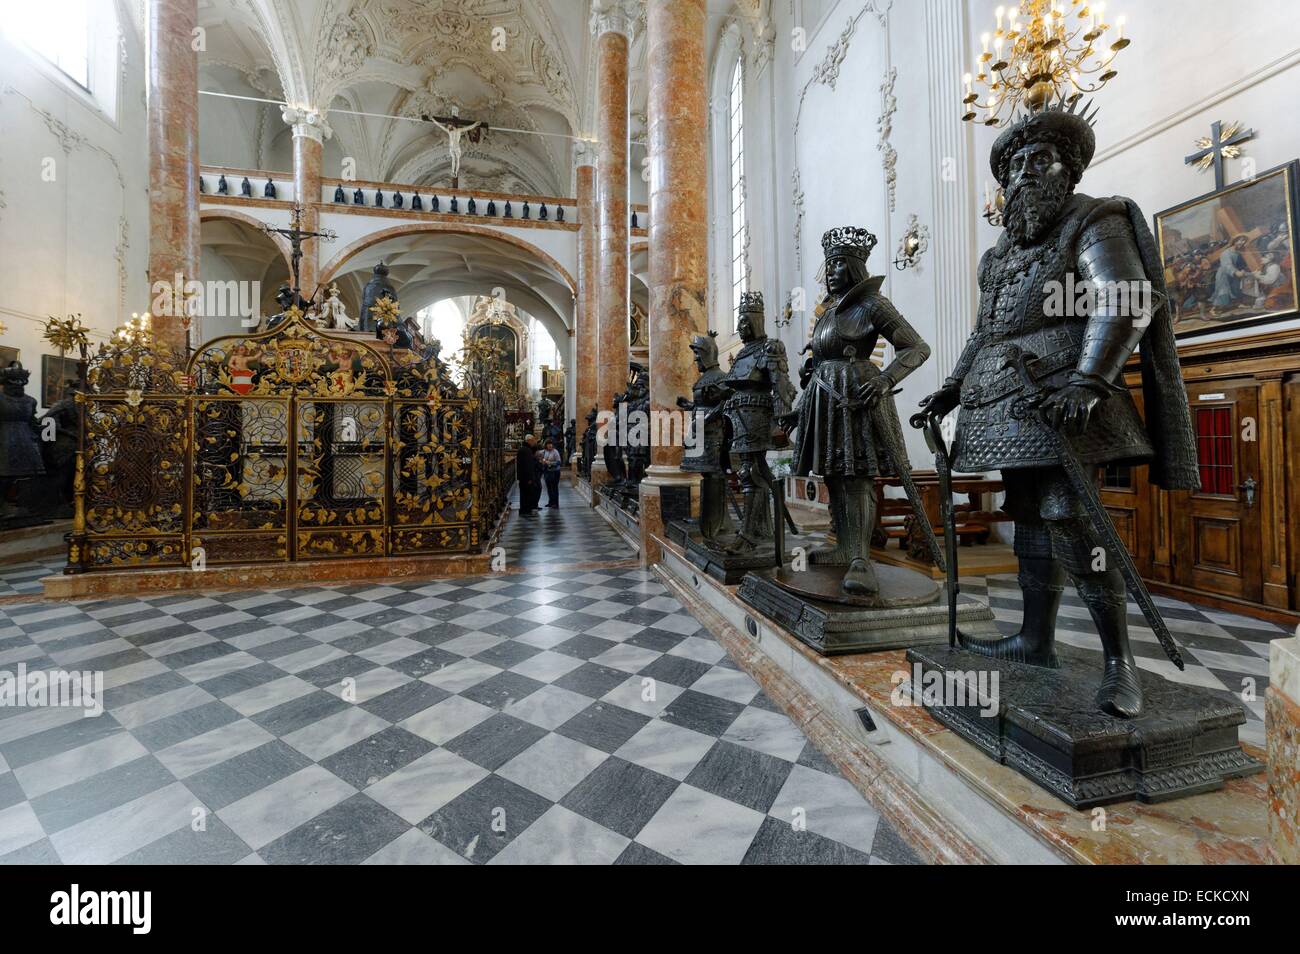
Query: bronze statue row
{"points": [[1030, 386], [37, 461]]}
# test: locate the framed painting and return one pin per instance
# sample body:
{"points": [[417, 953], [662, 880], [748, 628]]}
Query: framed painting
{"points": [[56, 372], [8, 356], [1229, 255]]}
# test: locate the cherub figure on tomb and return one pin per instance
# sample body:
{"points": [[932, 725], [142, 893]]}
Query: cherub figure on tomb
{"points": [[239, 368]]}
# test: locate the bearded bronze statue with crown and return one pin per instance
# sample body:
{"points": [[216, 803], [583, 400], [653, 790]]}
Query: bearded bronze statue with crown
{"points": [[1042, 393]]}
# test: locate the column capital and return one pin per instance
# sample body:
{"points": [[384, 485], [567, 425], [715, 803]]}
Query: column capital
{"points": [[585, 152], [307, 122], [615, 16]]}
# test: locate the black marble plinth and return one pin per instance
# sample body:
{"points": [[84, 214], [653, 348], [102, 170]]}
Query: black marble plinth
{"points": [[899, 620], [1047, 727]]}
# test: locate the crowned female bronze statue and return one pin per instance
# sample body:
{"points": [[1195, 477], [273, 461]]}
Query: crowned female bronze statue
{"points": [[847, 426]]}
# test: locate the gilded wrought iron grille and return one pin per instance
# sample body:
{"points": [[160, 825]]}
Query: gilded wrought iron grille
{"points": [[292, 444]]}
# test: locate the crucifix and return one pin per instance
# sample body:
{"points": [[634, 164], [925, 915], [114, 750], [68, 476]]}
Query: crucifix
{"points": [[296, 237], [1219, 143], [455, 127]]}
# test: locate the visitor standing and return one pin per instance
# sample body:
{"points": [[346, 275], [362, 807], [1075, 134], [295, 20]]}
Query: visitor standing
{"points": [[550, 459], [529, 474]]}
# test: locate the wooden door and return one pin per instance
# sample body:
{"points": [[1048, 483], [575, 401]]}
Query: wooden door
{"points": [[1217, 529]]}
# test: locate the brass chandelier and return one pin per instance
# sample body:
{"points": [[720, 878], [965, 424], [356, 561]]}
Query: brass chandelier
{"points": [[1041, 50]]}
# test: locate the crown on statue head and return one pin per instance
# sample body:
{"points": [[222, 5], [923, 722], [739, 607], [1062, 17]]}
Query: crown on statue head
{"points": [[751, 301], [848, 240]]}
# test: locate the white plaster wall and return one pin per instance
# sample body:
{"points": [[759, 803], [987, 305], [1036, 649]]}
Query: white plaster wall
{"points": [[78, 243], [1191, 62]]}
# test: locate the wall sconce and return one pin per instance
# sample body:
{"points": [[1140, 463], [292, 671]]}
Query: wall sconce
{"points": [[915, 240], [993, 203]]}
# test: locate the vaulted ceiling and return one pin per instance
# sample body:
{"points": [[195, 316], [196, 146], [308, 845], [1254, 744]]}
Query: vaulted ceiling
{"points": [[526, 65], [511, 63]]}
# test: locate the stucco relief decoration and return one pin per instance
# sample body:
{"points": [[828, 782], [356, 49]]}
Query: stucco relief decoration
{"points": [[69, 139], [796, 201], [885, 126], [341, 53], [827, 72]]}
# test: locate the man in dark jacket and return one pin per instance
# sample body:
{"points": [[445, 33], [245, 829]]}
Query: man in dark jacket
{"points": [[529, 474]]}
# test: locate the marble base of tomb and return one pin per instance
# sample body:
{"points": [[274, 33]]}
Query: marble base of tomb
{"points": [[1045, 724], [264, 575], [908, 610], [624, 523], [34, 543], [943, 793], [1282, 718]]}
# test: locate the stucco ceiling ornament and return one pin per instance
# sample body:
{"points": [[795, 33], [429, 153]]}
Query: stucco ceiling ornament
{"points": [[341, 52]]}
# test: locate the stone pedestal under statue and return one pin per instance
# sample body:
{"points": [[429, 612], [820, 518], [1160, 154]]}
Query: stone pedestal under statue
{"points": [[1045, 724], [715, 560], [907, 610]]}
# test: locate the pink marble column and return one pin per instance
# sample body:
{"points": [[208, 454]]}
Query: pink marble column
{"points": [[585, 363], [173, 120], [307, 148], [678, 116], [612, 24]]}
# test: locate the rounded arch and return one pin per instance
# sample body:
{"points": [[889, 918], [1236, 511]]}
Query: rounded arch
{"points": [[418, 228], [234, 215]]}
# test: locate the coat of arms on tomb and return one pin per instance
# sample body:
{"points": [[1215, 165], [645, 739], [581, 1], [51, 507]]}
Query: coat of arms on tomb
{"points": [[294, 360]]}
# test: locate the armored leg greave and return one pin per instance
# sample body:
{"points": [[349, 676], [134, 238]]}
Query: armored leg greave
{"points": [[757, 489], [1041, 582], [837, 555], [860, 515], [1104, 593], [713, 505]]}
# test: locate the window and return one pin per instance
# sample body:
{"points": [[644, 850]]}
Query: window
{"points": [[736, 129], [1117, 477], [1214, 450], [58, 30]]}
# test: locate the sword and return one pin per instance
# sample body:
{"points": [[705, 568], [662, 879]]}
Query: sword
{"points": [[932, 422], [1082, 485], [886, 426]]}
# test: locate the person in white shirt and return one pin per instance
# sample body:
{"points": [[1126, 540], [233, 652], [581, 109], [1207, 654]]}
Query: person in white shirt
{"points": [[549, 458]]}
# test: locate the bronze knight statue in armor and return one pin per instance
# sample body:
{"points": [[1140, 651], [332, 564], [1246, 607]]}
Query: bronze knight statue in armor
{"points": [[378, 287], [1039, 386], [760, 393], [706, 453], [848, 429]]}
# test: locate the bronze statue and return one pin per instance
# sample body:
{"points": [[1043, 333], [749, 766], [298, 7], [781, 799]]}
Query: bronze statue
{"points": [[589, 444], [378, 287], [1043, 400], [760, 393], [706, 454], [848, 430], [20, 452], [638, 408]]}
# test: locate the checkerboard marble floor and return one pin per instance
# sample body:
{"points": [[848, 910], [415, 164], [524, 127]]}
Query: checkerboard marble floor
{"points": [[541, 715]]}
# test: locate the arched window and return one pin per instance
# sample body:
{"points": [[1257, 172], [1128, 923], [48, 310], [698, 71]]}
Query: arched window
{"points": [[58, 30], [736, 132]]}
